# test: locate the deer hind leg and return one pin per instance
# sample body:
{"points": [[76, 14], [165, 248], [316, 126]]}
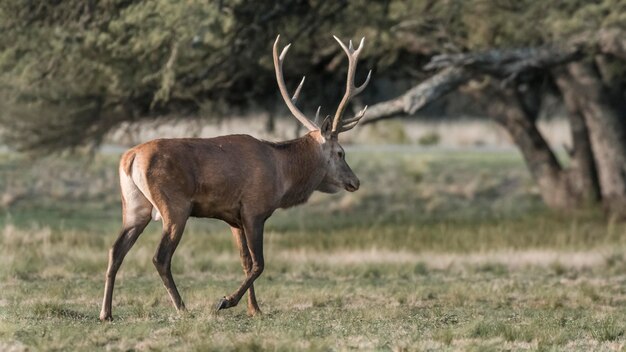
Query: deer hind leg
{"points": [[253, 234], [136, 217], [173, 227], [246, 262]]}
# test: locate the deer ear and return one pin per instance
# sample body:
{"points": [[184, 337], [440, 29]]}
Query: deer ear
{"points": [[326, 126]]}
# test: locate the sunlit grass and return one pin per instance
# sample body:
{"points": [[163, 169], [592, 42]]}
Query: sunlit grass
{"points": [[316, 305], [437, 251]]}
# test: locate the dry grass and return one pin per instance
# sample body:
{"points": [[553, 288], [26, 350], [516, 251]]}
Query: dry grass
{"points": [[346, 299], [510, 259], [454, 253]]}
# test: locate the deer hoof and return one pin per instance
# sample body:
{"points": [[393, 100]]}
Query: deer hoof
{"points": [[106, 317], [223, 303], [255, 313]]}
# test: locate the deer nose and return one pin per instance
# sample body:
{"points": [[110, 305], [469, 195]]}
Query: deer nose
{"points": [[353, 185]]}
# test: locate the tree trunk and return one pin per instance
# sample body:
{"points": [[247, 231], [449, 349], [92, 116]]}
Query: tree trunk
{"points": [[582, 171], [543, 165], [607, 133], [598, 160]]}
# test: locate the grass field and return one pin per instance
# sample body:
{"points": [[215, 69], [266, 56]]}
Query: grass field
{"points": [[438, 250]]}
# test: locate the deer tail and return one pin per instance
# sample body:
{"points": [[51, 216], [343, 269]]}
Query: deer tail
{"points": [[126, 163]]}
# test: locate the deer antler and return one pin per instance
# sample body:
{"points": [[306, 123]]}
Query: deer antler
{"points": [[291, 102], [340, 124]]}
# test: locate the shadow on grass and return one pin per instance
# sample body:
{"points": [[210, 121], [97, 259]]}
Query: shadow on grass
{"points": [[50, 310]]}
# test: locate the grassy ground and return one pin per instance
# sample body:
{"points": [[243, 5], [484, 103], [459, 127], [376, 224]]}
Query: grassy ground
{"points": [[438, 250]]}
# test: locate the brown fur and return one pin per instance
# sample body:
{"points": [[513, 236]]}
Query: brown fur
{"points": [[238, 179]]}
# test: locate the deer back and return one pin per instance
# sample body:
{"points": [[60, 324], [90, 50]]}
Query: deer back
{"points": [[218, 176]]}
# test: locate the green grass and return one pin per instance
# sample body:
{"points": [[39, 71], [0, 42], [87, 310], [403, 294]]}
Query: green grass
{"points": [[437, 251]]}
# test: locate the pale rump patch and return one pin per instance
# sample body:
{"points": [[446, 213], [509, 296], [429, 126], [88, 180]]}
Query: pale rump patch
{"points": [[139, 177], [136, 196], [156, 216]]}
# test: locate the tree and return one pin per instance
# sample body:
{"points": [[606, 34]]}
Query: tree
{"points": [[72, 71], [519, 78]]}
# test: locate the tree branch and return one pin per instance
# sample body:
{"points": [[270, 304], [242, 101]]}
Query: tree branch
{"points": [[504, 63], [460, 68], [419, 96]]}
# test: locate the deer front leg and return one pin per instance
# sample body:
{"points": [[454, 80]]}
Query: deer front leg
{"points": [[246, 263], [253, 234]]}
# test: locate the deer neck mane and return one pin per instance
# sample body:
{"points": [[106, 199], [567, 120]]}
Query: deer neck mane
{"points": [[302, 166]]}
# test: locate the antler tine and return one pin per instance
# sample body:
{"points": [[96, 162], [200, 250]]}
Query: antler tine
{"points": [[351, 124], [295, 96], [348, 124], [317, 116], [348, 127], [351, 90], [343, 46], [361, 44], [278, 68], [356, 117], [360, 88], [284, 52]]}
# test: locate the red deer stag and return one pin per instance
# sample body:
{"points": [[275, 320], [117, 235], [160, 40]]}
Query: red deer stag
{"points": [[238, 179]]}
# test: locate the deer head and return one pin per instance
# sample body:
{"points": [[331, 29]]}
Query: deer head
{"points": [[338, 173]]}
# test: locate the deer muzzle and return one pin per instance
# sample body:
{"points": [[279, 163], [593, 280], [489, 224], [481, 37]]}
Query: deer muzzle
{"points": [[352, 185]]}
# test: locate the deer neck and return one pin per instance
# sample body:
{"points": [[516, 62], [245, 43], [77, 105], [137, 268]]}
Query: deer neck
{"points": [[302, 166]]}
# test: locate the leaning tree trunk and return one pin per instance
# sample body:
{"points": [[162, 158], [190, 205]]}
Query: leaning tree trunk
{"points": [[582, 171], [607, 132], [553, 181]]}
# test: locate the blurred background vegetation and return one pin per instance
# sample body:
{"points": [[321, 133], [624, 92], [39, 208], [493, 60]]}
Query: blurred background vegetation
{"points": [[72, 72], [492, 159]]}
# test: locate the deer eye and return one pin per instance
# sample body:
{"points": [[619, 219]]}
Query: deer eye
{"points": [[340, 154]]}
